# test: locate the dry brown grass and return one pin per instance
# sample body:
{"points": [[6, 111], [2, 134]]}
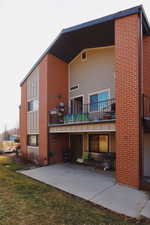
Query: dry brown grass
{"points": [[24, 201]]}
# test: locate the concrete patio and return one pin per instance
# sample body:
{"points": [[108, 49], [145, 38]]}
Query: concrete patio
{"points": [[94, 185]]}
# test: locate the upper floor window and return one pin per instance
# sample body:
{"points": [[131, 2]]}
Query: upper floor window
{"points": [[33, 105], [83, 56], [33, 140], [98, 101]]}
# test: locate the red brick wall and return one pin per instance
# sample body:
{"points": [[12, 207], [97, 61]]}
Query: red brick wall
{"points": [[57, 86], [127, 36], [23, 120], [146, 65], [57, 143], [57, 81], [53, 82]]}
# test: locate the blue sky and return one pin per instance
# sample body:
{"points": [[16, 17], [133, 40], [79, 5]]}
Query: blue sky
{"points": [[27, 27]]}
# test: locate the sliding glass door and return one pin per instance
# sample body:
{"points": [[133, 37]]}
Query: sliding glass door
{"points": [[98, 143]]}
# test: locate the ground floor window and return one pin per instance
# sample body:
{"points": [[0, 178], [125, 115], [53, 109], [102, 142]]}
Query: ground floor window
{"points": [[33, 140], [98, 143]]}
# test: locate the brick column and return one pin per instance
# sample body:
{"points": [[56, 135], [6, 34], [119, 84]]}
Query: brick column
{"points": [[127, 39], [146, 65], [57, 144], [23, 120], [57, 92], [43, 116], [53, 88]]}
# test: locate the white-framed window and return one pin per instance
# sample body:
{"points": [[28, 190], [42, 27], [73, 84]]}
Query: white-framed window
{"points": [[33, 140], [33, 105], [98, 101], [76, 104], [84, 56]]}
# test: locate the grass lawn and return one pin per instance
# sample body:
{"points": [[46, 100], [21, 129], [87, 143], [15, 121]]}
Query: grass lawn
{"points": [[24, 201]]}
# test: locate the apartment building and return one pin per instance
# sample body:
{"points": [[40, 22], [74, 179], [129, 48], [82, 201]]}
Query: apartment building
{"points": [[89, 95]]}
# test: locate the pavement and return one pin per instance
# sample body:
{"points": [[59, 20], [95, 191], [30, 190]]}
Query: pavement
{"points": [[94, 185]]}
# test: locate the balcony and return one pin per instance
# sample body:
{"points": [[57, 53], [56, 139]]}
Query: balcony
{"points": [[146, 112], [83, 113]]}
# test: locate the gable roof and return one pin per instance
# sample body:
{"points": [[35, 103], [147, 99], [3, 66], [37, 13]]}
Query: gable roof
{"points": [[95, 33]]}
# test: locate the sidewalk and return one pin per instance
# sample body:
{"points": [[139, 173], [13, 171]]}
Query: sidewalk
{"points": [[96, 186]]}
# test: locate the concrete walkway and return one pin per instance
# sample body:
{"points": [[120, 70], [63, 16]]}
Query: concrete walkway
{"points": [[94, 185]]}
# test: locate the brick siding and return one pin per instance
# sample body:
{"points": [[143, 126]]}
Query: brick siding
{"points": [[127, 32], [53, 83], [146, 65]]}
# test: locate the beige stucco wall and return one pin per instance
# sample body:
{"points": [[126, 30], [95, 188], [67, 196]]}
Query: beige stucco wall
{"points": [[33, 94], [33, 117], [146, 154], [84, 128], [33, 85], [95, 74]]}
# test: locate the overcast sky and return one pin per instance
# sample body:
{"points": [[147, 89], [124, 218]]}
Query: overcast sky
{"points": [[27, 27]]}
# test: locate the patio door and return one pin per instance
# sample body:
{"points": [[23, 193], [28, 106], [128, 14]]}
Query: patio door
{"points": [[77, 105], [99, 101], [99, 143], [76, 146]]}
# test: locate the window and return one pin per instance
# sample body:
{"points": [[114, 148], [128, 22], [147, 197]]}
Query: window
{"points": [[94, 102], [99, 143], [99, 101], [33, 105], [77, 105], [30, 106], [74, 87], [83, 56], [33, 140]]}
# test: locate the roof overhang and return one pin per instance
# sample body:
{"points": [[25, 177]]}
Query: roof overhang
{"points": [[96, 33]]}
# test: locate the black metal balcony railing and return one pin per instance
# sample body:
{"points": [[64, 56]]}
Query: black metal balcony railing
{"points": [[78, 113]]}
